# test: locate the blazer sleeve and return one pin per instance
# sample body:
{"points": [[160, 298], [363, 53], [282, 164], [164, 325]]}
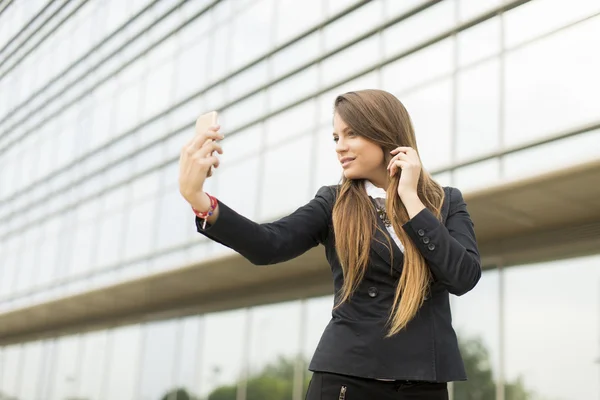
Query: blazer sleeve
{"points": [[274, 242], [451, 249]]}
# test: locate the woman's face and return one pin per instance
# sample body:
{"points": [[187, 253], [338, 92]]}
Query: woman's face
{"points": [[360, 157]]}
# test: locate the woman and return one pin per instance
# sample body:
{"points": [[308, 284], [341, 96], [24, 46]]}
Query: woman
{"points": [[397, 242]]}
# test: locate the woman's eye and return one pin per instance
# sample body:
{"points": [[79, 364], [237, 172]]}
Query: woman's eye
{"points": [[335, 139]]}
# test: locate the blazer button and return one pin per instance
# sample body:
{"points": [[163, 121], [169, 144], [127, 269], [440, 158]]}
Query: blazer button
{"points": [[373, 291], [425, 240], [431, 246], [421, 232]]}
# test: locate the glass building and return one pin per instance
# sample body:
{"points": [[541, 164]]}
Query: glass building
{"points": [[108, 292]]}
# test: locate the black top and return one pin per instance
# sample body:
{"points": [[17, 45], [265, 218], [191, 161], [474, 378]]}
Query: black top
{"points": [[354, 342]]}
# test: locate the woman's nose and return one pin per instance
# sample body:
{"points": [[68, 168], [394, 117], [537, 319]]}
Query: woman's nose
{"points": [[340, 146]]}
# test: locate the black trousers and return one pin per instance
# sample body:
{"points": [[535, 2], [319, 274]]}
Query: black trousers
{"points": [[328, 386]]}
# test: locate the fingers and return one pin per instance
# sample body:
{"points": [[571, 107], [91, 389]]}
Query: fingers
{"points": [[400, 156], [398, 165], [402, 149], [200, 139]]}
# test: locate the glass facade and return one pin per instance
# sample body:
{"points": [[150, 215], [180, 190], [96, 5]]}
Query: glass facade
{"points": [[97, 98]]}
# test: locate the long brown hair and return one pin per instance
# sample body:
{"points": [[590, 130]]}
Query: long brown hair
{"points": [[381, 118]]}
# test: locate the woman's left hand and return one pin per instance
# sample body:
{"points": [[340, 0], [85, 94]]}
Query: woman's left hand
{"points": [[405, 160]]}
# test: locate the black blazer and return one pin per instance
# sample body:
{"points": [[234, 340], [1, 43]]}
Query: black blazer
{"points": [[354, 342]]}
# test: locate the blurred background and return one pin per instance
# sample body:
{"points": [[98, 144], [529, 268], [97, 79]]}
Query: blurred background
{"points": [[108, 292]]}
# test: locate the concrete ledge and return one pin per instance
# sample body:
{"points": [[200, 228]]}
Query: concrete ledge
{"points": [[547, 217]]}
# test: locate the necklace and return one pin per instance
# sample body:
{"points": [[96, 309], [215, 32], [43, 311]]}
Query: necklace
{"points": [[380, 208]]}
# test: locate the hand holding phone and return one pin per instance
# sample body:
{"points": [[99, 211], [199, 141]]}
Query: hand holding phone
{"points": [[203, 124], [197, 159]]}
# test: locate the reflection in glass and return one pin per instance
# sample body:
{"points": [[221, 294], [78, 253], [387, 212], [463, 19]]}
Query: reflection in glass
{"points": [[546, 304], [476, 321], [241, 191], [552, 156], [295, 17], [430, 109], [418, 68], [359, 56], [518, 27], [538, 104], [33, 354], [11, 365], [418, 28], [252, 33], [66, 368], [222, 349], [159, 355], [286, 166], [124, 359], [478, 111], [94, 366]]}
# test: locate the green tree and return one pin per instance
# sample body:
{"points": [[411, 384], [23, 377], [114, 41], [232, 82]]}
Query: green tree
{"points": [[481, 384], [179, 394], [275, 381]]}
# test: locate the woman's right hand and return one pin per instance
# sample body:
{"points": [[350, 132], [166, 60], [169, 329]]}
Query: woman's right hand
{"points": [[195, 162]]}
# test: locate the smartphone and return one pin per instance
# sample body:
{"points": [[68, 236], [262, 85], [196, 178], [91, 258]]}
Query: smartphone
{"points": [[204, 122]]}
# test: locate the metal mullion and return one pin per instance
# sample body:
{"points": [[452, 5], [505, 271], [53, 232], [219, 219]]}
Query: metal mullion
{"points": [[215, 84], [79, 61], [27, 25], [42, 39]]}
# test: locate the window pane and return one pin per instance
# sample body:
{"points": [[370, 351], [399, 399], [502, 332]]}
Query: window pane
{"points": [[477, 176], [539, 104], [158, 359], [351, 60], [252, 33], [534, 311], [552, 156], [469, 9], [293, 88], [274, 344], [478, 110], [328, 170], [93, 365], [297, 54], [479, 42], [289, 123], [476, 321], [288, 166], [140, 231], [109, 242], [191, 67], [11, 368], [124, 363], [418, 28], [65, 368], [188, 362], [433, 134], [295, 17], [222, 349], [240, 185], [33, 356], [557, 13], [241, 144], [352, 25], [175, 220], [420, 67]]}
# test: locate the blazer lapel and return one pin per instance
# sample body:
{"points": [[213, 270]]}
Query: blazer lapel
{"points": [[380, 243]]}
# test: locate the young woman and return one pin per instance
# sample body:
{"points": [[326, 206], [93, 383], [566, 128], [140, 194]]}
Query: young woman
{"points": [[398, 244]]}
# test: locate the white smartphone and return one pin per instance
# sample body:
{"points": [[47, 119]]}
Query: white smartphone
{"points": [[204, 122]]}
